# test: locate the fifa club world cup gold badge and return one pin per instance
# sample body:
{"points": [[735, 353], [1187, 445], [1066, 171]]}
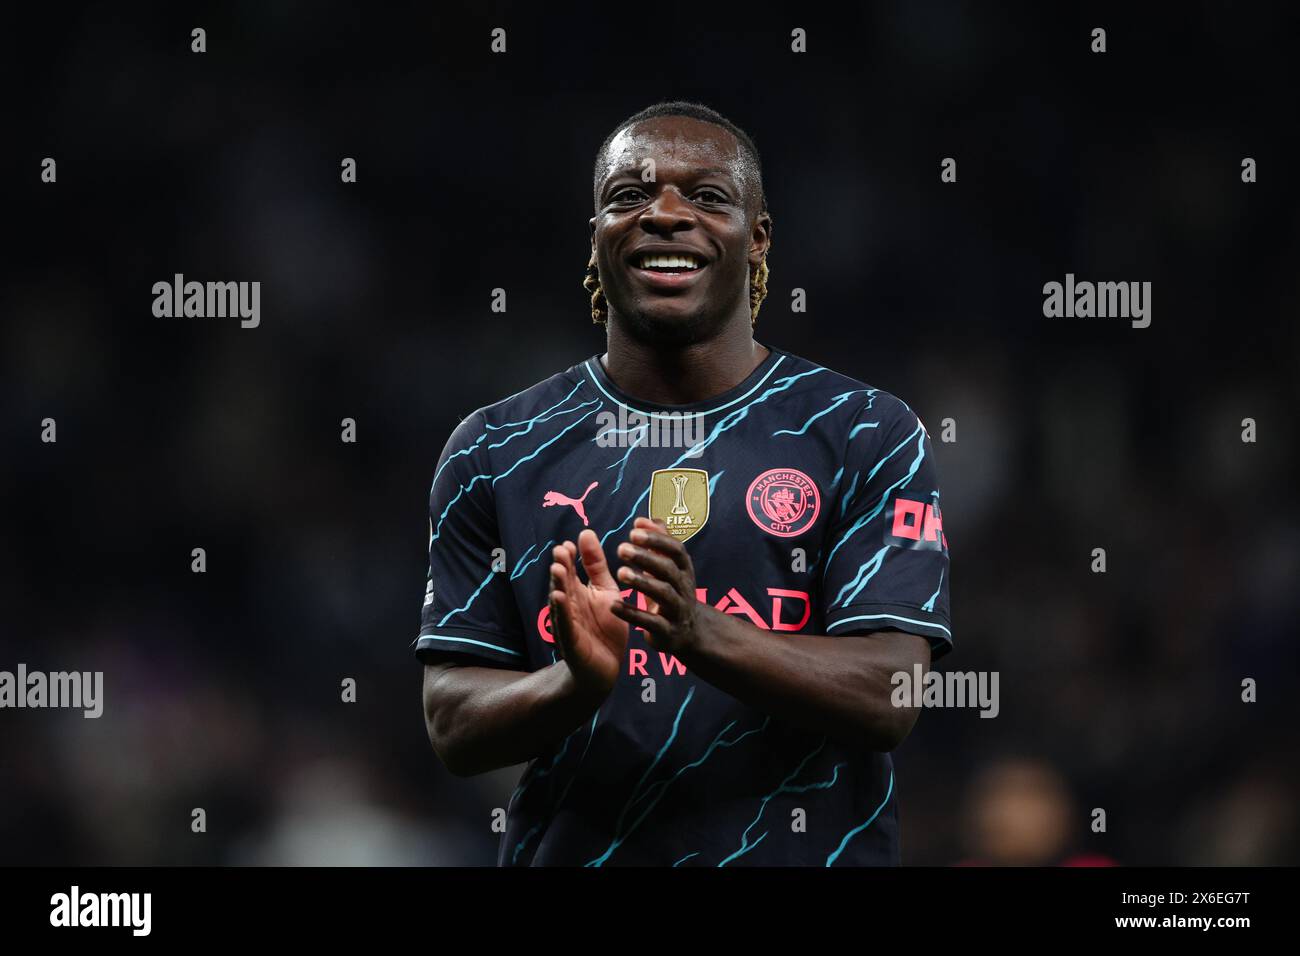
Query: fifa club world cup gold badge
{"points": [[679, 497]]}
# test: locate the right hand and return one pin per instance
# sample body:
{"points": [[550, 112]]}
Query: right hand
{"points": [[588, 636]]}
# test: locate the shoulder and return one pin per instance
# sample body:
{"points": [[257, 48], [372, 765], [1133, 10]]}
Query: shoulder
{"points": [[858, 402], [558, 394]]}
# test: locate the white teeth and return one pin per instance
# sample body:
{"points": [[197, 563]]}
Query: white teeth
{"points": [[675, 261]]}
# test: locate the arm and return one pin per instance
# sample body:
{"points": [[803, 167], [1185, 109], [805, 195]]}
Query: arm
{"points": [[484, 707], [838, 685], [483, 718]]}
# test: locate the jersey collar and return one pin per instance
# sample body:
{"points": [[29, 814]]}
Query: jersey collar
{"points": [[718, 403]]}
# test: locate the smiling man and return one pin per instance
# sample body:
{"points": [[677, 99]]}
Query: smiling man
{"points": [[717, 691]]}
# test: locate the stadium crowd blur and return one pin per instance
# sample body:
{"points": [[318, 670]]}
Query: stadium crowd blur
{"points": [[1120, 691]]}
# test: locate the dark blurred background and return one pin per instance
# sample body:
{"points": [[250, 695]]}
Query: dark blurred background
{"points": [[222, 690]]}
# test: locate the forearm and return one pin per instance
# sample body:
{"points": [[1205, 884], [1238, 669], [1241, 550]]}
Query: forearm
{"points": [[482, 718], [840, 686]]}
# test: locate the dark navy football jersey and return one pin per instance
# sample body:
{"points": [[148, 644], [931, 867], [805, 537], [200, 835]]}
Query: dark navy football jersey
{"points": [[809, 503]]}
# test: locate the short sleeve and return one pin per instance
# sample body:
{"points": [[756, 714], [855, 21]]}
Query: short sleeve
{"points": [[469, 610], [886, 563]]}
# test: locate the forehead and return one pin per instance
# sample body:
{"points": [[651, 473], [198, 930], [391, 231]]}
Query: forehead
{"points": [[675, 143]]}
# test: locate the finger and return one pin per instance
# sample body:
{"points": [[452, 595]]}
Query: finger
{"points": [[573, 588], [559, 602], [653, 562], [593, 559], [653, 624], [567, 556], [573, 562], [658, 591], [648, 534], [559, 574]]}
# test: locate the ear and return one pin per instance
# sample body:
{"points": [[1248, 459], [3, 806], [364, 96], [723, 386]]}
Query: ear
{"points": [[761, 239]]}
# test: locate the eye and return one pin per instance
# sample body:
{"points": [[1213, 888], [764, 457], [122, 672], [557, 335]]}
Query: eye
{"points": [[627, 194], [717, 196]]}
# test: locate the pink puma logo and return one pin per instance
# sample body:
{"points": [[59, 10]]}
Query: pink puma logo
{"points": [[559, 498]]}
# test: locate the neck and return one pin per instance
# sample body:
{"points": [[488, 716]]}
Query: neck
{"points": [[682, 374]]}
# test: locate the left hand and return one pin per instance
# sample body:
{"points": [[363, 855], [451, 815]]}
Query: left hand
{"points": [[659, 567]]}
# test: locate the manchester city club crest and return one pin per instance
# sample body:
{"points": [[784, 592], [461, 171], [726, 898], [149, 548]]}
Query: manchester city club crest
{"points": [[679, 497], [783, 502]]}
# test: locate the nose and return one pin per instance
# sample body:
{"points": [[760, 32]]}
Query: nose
{"points": [[669, 212]]}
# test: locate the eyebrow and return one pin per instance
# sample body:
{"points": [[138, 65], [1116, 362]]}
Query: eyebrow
{"points": [[636, 169], [700, 173]]}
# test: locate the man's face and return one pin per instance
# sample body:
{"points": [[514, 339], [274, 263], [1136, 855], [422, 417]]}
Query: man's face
{"points": [[700, 206]]}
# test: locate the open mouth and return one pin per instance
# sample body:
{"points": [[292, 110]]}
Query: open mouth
{"points": [[668, 270], [674, 264]]}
